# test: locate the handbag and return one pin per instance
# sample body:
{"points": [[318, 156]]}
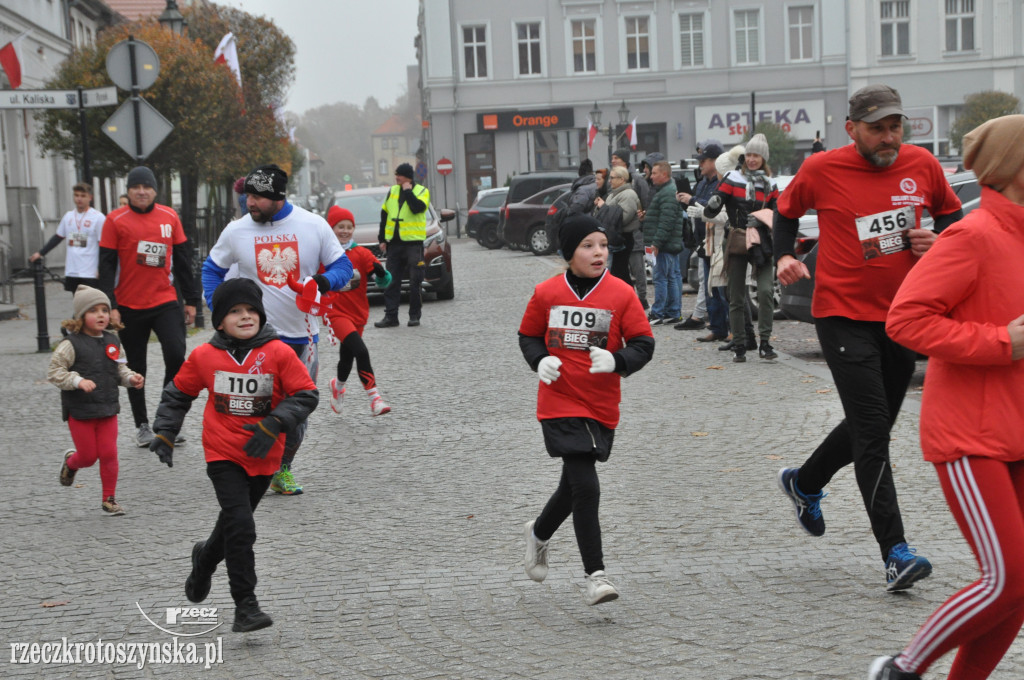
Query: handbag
{"points": [[736, 242]]}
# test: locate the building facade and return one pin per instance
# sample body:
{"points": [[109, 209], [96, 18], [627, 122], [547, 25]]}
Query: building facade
{"points": [[509, 88]]}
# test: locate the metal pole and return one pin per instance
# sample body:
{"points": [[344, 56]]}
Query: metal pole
{"points": [[753, 113], [135, 100], [86, 160], [43, 336]]}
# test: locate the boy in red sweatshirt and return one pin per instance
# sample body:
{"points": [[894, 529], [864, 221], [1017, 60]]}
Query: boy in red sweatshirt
{"points": [[258, 389]]}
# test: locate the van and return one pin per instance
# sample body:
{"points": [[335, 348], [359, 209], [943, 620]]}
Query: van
{"points": [[527, 184]]}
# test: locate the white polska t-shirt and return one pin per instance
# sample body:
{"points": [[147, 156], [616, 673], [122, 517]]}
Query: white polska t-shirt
{"points": [[268, 253], [81, 233]]}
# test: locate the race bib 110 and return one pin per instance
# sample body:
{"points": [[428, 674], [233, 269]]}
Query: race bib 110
{"points": [[242, 394]]}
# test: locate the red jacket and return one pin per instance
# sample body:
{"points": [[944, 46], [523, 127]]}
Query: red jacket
{"points": [[954, 306]]}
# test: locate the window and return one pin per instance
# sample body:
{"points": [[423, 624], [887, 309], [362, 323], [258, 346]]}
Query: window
{"points": [[383, 142], [638, 38], [801, 33], [895, 16], [382, 167], [584, 46], [959, 25], [745, 27], [691, 39], [474, 49], [528, 48]]}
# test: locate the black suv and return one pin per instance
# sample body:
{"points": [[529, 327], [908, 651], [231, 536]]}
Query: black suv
{"points": [[482, 222]]}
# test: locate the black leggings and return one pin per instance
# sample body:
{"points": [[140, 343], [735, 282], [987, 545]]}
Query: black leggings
{"points": [[168, 322], [353, 347], [578, 494], [235, 531]]}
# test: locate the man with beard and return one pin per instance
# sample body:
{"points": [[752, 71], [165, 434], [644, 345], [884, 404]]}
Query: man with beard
{"points": [[274, 241], [869, 197]]}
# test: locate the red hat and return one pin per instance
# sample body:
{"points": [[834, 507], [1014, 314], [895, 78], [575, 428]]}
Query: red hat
{"points": [[337, 214]]}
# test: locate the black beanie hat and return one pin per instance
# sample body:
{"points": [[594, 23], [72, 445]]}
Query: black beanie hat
{"points": [[622, 153], [586, 167], [268, 181], [405, 170], [233, 292], [575, 229], [141, 175]]}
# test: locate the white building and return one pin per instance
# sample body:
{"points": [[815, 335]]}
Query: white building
{"points": [[36, 189], [508, 88]]}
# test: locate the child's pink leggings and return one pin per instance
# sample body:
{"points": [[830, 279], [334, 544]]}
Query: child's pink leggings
{"points": [[96, 439]]}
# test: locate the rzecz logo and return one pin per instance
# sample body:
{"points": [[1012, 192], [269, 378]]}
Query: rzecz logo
{"points": [[186, 621], [908, 186]]}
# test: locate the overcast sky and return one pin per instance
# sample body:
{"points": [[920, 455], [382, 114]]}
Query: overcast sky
{"points": [[345, 50]]}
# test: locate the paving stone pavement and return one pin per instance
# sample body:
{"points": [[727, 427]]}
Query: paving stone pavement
{"points": [[403, 559]]}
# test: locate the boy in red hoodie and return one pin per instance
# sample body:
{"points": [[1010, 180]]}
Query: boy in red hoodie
{"points": [[258, 389]]}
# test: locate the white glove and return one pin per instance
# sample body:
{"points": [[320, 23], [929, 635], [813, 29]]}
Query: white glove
{"points": [[547, 369], [601, 361], [695, 211]]}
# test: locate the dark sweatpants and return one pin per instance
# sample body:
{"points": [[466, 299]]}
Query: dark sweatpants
{"points": [[871, 373], [168, 322], [235, 531]]}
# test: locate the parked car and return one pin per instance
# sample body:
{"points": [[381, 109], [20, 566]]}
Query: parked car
{"points": [[365, 205], [796, 298], [525, 222], [482, 222], [524, 185]]}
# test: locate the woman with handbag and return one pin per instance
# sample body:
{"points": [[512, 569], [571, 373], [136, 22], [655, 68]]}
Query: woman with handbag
{"points": [[621, 196], [744, 193]]}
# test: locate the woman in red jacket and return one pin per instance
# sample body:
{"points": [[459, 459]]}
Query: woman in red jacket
{"points": [[582, 332], [962, 305]]}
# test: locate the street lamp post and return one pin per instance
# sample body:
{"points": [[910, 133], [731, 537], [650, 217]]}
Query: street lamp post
{"points": [[609, 131], [172, 19]]}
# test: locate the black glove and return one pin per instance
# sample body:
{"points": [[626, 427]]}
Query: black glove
{"points": [[163, 446], [322, 284], [264, 436]]}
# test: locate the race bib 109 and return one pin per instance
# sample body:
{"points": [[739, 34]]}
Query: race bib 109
{"points": [[578, 327], [885, 233], [242, 394]]}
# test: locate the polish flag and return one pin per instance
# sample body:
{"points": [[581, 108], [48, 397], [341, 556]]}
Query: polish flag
{"points": [[591, 133], [227, 53], [630, 132], [10, 60]]}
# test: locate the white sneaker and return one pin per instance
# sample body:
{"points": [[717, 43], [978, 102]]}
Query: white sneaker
{"points": [[379, 406], [536, 555], [336, 396], [599, 589]]}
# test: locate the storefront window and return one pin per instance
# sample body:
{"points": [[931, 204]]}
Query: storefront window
{"points": [[558, 149]]}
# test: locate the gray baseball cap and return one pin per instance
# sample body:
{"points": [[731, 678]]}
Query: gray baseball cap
{"points": [[874, 102]]}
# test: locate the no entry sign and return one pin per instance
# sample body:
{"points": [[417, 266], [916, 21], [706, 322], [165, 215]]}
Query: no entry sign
{"points": [[444, 166]]}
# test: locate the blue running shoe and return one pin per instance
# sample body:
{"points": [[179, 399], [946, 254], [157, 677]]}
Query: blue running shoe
{"points": [[904, 568], [808, 506]]}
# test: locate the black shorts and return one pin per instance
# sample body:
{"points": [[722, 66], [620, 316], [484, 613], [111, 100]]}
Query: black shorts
{"points": [[71, 283], [577, 437]]}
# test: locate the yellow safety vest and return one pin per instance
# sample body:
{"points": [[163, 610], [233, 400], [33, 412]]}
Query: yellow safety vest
{"points": [[411, 226]]}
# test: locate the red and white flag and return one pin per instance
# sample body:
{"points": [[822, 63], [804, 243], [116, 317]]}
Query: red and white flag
{"points": [[591, 133], [630, 132], [11, 61], [227, 53]]}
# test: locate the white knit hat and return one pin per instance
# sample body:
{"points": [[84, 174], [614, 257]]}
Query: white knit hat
{"points": [[758, 144], [728, 160]]}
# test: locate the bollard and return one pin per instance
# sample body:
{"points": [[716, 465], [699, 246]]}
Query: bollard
{"points": [[43, 338]]}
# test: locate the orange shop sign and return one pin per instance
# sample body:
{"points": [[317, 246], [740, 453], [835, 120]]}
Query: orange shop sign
{"points": [[510, 121]]}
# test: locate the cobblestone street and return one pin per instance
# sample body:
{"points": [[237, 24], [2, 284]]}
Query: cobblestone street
{"points": [[403, 558]]}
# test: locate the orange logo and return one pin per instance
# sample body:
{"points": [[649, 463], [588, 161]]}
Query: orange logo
{"points": [[490, 121]]}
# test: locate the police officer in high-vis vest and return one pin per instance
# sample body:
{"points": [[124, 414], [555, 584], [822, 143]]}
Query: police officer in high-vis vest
{"points": [[403, 228]]}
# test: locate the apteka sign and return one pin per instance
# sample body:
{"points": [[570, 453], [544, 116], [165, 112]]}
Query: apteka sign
{"points": [[729, 123]]}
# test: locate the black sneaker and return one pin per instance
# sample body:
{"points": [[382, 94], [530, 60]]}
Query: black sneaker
{"points": [[249, 617], [690, 324], [751, 343], [197, 585], [766, 351], [386, 322], [739, 356], [884, 668], [727, 347], [414, 322], [67, 475]]}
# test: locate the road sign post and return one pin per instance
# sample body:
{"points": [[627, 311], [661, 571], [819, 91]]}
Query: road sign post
{"points": [[444, 168], [136, 126]]}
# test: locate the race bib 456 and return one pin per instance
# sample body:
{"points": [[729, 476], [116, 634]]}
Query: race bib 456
{"points": [[885, 233]]}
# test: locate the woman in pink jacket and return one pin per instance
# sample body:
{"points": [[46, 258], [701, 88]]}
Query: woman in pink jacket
{"points": [[962, 305]]}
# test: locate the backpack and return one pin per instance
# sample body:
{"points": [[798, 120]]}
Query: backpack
{"points": [[610, 217]]}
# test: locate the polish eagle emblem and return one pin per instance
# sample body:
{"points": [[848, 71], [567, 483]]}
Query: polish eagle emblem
{"points": [[275, 261]]}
